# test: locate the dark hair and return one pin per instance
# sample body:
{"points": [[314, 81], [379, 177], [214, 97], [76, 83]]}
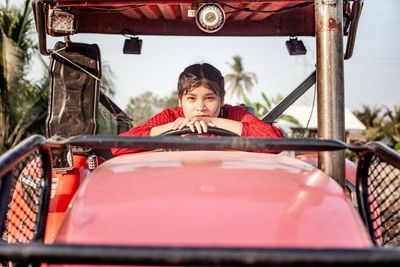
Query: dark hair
{"points": [[201, 74]]}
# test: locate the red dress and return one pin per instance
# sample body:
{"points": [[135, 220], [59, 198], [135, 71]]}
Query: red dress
{"points": [[252, 126]]}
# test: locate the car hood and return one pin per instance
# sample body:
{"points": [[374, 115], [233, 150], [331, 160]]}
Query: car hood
{"points": [[212, 198]]}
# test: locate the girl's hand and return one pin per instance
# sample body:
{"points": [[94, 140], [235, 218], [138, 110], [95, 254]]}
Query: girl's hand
{"points": [[196, 124]]}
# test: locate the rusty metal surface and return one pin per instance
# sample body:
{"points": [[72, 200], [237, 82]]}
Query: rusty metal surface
{"points": [[330, 82]]}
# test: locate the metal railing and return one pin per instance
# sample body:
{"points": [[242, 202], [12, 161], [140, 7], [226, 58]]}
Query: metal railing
{"points": [[25, 177], [378, 193], [25, 174]]}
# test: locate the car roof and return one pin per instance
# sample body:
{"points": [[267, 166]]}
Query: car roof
{"points": [[170, 17]]}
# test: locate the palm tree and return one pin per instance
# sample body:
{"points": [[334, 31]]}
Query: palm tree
{"points": [[23, 105], [382, 124], [239, 81], [373, 121], [370, 116], [391, 127]]}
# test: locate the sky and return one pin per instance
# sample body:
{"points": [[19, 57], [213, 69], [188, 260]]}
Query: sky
{"points": [[372, 75]]}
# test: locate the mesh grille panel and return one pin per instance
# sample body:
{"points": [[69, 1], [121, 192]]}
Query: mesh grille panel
{"points": [[384, 201], [25, 196]]}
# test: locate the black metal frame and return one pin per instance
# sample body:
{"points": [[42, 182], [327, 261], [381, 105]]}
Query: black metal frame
{"points": [[38, 7], [386, 154], [195, 143], [8, 161], [271, 116], [37, 252], [198, 256], [355, 18], [5, 184], [362, 191], [256, 144], [123, 120]]}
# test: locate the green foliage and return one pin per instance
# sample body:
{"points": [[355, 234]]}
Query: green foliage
{"points": [[372, 118], [29, 112], [397, 147], [107, 123], [141, 108], [107, 79], [262, 108], [240, 81], [23, 105], [392, 124], [382, 124], [17, 26]]}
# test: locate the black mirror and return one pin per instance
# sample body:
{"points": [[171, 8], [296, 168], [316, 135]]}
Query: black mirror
{"points": [[75, 72]]}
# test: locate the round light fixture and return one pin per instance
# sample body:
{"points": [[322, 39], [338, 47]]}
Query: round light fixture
{"points": [[210, 18]]}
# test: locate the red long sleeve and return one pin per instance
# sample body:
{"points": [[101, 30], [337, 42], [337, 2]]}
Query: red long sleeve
{"points": [[166, 116], [252, 126]]}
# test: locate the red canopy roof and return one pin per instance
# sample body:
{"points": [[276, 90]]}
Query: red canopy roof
{"points": [[163, 17]]}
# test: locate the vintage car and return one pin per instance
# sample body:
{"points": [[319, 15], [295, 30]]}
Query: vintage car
{"points": [[190, 201]]}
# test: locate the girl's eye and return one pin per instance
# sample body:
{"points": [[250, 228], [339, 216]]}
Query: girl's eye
{"points": [[211, 98], [190, 98]]}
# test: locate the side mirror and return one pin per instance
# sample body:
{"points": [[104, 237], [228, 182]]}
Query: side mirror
{"points": [[75, 72], [62, 158]]}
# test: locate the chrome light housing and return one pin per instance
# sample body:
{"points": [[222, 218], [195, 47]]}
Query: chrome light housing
{"points": [[210, 18]]}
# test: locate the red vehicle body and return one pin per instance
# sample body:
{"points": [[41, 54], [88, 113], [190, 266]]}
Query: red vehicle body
{"points": [[187, 201], [212, 199]]}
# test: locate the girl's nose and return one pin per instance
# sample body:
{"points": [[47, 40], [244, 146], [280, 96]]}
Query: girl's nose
{"points": [[200, 105]]}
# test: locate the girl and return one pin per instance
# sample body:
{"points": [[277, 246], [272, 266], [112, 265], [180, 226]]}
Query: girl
{"points": [[201, 94]]}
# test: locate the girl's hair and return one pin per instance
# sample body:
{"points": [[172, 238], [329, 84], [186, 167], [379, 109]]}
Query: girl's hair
{"points": [[201, 74]]}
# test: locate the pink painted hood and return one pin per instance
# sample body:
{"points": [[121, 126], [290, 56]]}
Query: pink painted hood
{"points": [[212, 198]]}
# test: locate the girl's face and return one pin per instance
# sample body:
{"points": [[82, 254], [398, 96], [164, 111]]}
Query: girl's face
{"points": [[201, 102]]}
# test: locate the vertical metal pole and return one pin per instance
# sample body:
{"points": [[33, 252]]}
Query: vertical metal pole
{"points": [[330, 83], [3, 93]]}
